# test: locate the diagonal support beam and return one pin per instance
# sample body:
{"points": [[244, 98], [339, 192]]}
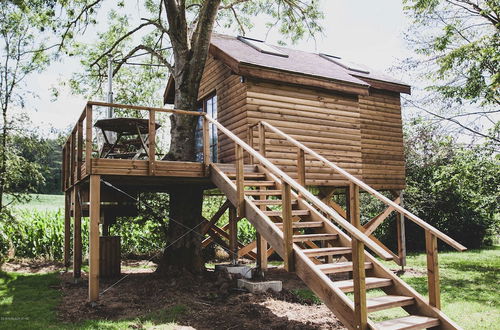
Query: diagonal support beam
{"points": [[373, 224]]}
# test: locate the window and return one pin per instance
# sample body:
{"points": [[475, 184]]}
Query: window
{"points": [[344, 63], [261, 46], [209, 106]]}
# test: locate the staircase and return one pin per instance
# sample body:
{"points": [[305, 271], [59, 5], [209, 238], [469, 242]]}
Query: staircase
{"points": [[322, 247]]}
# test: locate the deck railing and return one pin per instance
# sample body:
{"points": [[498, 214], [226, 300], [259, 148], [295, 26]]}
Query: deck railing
{"points": [[78, 149], [355, 184]]}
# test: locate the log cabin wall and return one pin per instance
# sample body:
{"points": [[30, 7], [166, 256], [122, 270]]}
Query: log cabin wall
{"points": [[382, 140], [231, 101], [327, 122], [362, 134]]}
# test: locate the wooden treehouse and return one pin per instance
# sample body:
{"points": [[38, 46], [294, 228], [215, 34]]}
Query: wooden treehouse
{"points": [[280, 132]]}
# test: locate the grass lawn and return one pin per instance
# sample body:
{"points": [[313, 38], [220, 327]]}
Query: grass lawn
{"points": [[470, 290]]}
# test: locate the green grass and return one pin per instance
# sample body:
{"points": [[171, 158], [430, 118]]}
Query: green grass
{"points": [[469, 293], [29, 301], [41, 202]]}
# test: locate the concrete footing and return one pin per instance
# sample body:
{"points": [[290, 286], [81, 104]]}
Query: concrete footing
{"points": [[241, 270], [255, 287]]}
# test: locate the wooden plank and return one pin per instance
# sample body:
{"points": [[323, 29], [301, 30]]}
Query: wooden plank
{"points": [[301, 167], [152, 142], [358, 262], [67, 229], [262, 255], [286, 215], [240, 181], [95, 214], [72, 160], [215, 217], [79, 150], [373, 224], [138, 107], [77, 233], [88, 139], [206, 142], [262, 140], [400, 232], [432, 269], [233, 234]]}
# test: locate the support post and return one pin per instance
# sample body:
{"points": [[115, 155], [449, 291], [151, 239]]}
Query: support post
{"points": [[233, 234], [400, 223], [79, 150], [250, 142], [240, 181], [67, 229], [301, 167], [77, 233], [262, 140], [152, 141], [432, 269], [358, 262], [88, 139], [72, 160], [95, 214], [261, 253], [286, 204]]}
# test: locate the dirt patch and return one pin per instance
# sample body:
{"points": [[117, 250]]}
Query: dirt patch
{"points": [[208, 301], [32, 266]]}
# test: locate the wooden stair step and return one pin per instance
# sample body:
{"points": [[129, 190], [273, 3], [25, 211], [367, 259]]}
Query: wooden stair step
{"points": [[314, 237], [386, 302], [330, 251], [271, 202], [269, 192], [371, 283], [257, 183], [279, 213], [340, 267], [303, 224], [249, 175], [408, 322]]}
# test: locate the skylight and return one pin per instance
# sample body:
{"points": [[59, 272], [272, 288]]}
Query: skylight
{"points": [[344, 63], [261, 46]]}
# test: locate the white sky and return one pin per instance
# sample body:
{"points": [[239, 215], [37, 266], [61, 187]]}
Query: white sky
{"points": [[363, 31]]}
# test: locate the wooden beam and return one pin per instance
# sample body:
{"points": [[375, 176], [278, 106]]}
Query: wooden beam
{"points": [[262, 252], [88, 139], [216, 217], [77, 233], [286, 205], [262, 140], [72, 160], [358, 262], [373, 224], [95, 214], [400, 232], [206, 143], [301, 167], [152, 142], [67, 228], [250, 142], [240, 181], [432, 269], [233, 234], [79, 150]]}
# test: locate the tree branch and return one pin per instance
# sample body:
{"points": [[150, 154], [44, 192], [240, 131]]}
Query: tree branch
{"points": [[149, 50]]}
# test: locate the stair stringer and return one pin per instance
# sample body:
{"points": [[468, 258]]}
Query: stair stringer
{"points": [[316, 280]]}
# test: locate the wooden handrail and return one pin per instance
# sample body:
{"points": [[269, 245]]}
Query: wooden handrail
{"points": [[450, 241], [140, 107], [304, 192]]}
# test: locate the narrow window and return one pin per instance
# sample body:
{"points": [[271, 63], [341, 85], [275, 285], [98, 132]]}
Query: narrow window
{"points": [[208, 105]]}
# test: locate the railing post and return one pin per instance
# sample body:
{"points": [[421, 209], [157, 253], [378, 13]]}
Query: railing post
{"points": [[88, 139], [240, 180], [432, 269], [95, 215], [262, 139], [72, 160], [79, 150], [286, 205], [358, 262], [250, 143], [152, 141], [301, 167]]}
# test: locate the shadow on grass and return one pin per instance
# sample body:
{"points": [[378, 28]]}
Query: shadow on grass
{"points": [[27, 300]]}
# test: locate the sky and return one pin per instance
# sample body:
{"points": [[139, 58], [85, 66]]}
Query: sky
{"points": [[363, 31]]}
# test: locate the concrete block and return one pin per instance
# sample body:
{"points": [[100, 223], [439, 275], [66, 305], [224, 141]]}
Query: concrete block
{"points": [[243, 271], [255, 287]]}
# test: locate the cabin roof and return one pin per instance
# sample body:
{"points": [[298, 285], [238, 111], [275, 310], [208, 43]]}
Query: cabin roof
{"points": [[317, 70]]}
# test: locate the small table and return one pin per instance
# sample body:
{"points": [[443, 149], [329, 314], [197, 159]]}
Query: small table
{"points": [[125, 127]]}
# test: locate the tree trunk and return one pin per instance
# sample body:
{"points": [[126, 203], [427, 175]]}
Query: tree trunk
{"points": [[183, 251], [3, 157]]}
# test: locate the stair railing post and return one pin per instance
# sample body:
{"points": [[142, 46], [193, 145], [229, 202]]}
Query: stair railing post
{"points": [[250, 143], [240, 181], [152, 142], [358, 262], [88, 139], [262, 139], [301, 168], [432, 269], [286, 205]]}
